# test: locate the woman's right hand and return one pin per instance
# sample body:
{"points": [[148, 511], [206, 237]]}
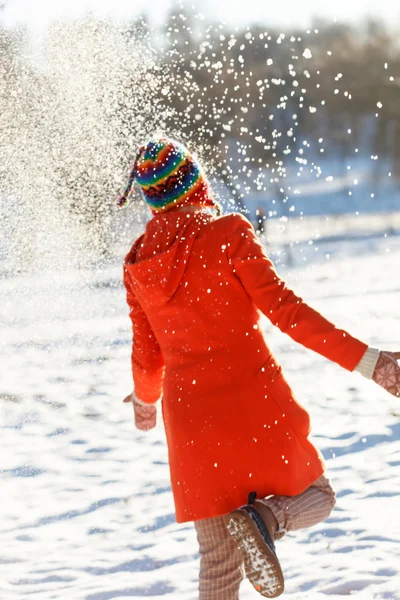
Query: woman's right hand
{"points": [[145, 414], [387, 372]]}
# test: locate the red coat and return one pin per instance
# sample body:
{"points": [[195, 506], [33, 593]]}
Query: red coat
{"points": [[196, 286]]}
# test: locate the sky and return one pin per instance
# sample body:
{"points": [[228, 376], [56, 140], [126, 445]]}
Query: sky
{"points": [[236, 12]]}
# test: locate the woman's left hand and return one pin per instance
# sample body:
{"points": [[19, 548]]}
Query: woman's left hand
{"points": [[145, 415], [387, 372]]}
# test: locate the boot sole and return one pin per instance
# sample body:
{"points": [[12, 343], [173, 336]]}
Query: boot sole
{"points": [[261, 564]]}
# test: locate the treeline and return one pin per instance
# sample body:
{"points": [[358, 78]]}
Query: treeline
{"points": [[277, 98], [254, 102]]}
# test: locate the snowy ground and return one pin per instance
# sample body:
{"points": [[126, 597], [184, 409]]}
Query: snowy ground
{"points": [[86, 510]]}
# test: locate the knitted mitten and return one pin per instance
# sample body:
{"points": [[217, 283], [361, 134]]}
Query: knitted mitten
{"points": [[145, 414], [387, 372]]}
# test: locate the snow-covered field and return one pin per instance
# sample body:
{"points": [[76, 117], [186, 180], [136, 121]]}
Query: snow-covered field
{"points": [[86, 511]]}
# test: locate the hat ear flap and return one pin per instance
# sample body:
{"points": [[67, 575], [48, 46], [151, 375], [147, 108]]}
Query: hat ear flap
{"points": [[123, 200]]}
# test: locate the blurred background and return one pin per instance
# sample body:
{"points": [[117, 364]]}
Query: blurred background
{"points": [[294, 111]]}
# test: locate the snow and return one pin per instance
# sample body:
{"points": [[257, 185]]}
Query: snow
{"points": [[336, 186], [86, 510]]}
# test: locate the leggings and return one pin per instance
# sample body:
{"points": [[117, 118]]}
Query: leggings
{"points": [[220, 558]]}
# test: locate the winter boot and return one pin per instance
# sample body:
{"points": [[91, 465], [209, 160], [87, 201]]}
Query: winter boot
{"points": [[253, 527]]}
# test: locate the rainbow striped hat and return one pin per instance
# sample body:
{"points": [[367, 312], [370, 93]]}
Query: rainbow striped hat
{"points": [[168, 176]]}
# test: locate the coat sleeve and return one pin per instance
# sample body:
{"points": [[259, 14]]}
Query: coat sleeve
{"points": [[147, 359], [280, 304]]}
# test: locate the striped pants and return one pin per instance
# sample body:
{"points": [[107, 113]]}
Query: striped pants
{"points": [[220, 559]]}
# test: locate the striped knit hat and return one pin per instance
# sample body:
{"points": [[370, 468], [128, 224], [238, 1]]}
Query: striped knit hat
{"points": [[168, 176]]}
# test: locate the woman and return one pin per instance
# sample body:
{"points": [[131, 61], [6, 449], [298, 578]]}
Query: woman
{"points": [[241, 463]]}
